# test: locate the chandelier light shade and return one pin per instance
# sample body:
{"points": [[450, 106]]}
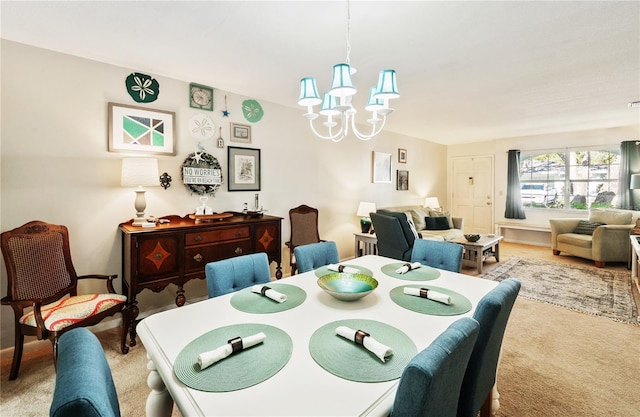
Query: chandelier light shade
{"points": [[337, 101], [635, 182]]}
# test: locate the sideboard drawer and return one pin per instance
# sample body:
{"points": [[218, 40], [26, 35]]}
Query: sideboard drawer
{"points": [[197, 257], [217, 235]]}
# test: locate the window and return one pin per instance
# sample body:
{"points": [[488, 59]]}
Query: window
{"points": [[572, 179]]}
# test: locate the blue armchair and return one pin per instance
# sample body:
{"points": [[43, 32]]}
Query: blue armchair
{"points": [[84, 385], [315, 255], [443, 255], [430, 384], [233, 274], [492, 313]]}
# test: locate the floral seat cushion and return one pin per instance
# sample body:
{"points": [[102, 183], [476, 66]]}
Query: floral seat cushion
{"points": [[68, 311]]}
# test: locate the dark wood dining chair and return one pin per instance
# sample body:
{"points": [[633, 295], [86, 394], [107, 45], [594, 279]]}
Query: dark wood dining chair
{"points": [[43, 288], [304, 230]]}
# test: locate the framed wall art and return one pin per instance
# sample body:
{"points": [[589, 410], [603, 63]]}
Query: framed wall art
{"points": [[402, 156], [240, 133], [243, 166], [139, 129], [402, 180], [381, 167]]}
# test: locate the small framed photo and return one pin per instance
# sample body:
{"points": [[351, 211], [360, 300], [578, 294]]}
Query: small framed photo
{"points": [[381, 167], [240, 133], [402, 180], [402, 156], [243, 165], [140, 129]]}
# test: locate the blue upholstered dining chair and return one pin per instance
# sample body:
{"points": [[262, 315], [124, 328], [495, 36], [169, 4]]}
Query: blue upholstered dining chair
{"points": [[492, 313], [315, 255], [430, 383], [84, 385], [442, 255], [233, 274]]}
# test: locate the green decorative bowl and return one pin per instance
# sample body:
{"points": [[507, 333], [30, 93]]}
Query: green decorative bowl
{"points": [[347, 287], [472, 237]]}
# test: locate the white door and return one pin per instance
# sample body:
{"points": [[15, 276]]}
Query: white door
{"points": [[472, 193]]}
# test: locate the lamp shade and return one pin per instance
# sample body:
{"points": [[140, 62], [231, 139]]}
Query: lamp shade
{"points": [[635, 182], [365, 208], [341, 85], [139, 172], [387, 87], [374, 103], [329, 106], [432, 202], [308, 92]]}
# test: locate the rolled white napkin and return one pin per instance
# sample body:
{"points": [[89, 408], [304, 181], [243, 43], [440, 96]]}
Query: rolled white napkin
{"points": [[408, 267], [427, 293], [342, 268], [371, 344], [206, 359], [269, 292]]}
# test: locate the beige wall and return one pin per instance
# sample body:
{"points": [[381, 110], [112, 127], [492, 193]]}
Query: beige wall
{"points": [[499, 148], [55, 165]]}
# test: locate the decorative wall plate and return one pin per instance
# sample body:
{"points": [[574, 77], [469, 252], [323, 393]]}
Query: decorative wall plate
{"points": [[201, 160], [201, 127], [142, 88], [252, 110]]}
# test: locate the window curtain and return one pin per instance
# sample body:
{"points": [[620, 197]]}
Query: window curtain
{"points": [[514, 208], [629, 164]]}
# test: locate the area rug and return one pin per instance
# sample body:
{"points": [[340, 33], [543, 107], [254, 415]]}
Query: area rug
{"points": [[585, 289]]}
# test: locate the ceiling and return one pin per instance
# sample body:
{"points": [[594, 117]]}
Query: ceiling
{"points": [[467, 71]]}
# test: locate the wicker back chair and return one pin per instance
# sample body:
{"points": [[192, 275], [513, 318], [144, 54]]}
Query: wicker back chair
{"points": [[41, 279], [304, 230]]}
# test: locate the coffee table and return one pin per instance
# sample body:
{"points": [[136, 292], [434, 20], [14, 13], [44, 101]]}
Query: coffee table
{"points": [[475, 253]]}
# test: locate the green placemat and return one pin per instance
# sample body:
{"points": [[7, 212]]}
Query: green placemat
{"points": [[324, 270], [350, 361], [459, 303], [250, 302], [240, 370], [424, 273]]}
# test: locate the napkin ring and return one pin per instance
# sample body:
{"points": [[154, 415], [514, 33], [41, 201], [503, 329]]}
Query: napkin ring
{"points": [[424, 292], [340, 268], [359, 337], [236, 344], [408, 265], [264, 290]]}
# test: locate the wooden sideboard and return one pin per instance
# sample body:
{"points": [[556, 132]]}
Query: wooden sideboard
{"points": [[177, 251]]}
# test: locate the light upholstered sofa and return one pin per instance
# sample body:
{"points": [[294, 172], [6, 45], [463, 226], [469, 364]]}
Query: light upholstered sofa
{"points": [[602, 237], [418, 215]]}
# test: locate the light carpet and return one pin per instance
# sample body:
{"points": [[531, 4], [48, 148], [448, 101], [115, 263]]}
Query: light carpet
{"points": [[590, 290]]}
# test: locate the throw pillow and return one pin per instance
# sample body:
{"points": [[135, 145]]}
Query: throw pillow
{"points": [[585, 227], [412, 226], [446, 214], [437, 223], [418, 216]]}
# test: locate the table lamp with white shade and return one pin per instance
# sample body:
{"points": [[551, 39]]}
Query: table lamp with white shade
{"points": [[140, 172], [363, 211], [432, 202]]}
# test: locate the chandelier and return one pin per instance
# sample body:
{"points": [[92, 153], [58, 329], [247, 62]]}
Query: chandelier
{"points": [[336, 104]]}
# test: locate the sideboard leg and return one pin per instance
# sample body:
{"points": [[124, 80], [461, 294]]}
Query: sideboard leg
{"points": [[159, 401]]}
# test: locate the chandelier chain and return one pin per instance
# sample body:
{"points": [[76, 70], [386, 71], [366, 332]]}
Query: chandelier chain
{"points": [[348, 34]]}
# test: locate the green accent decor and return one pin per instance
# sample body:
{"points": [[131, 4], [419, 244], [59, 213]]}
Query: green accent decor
{"points": [[252, 110], [142, 87]]}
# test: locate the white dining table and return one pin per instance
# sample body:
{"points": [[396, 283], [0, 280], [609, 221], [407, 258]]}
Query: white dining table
{"points": [[301, 387]]}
